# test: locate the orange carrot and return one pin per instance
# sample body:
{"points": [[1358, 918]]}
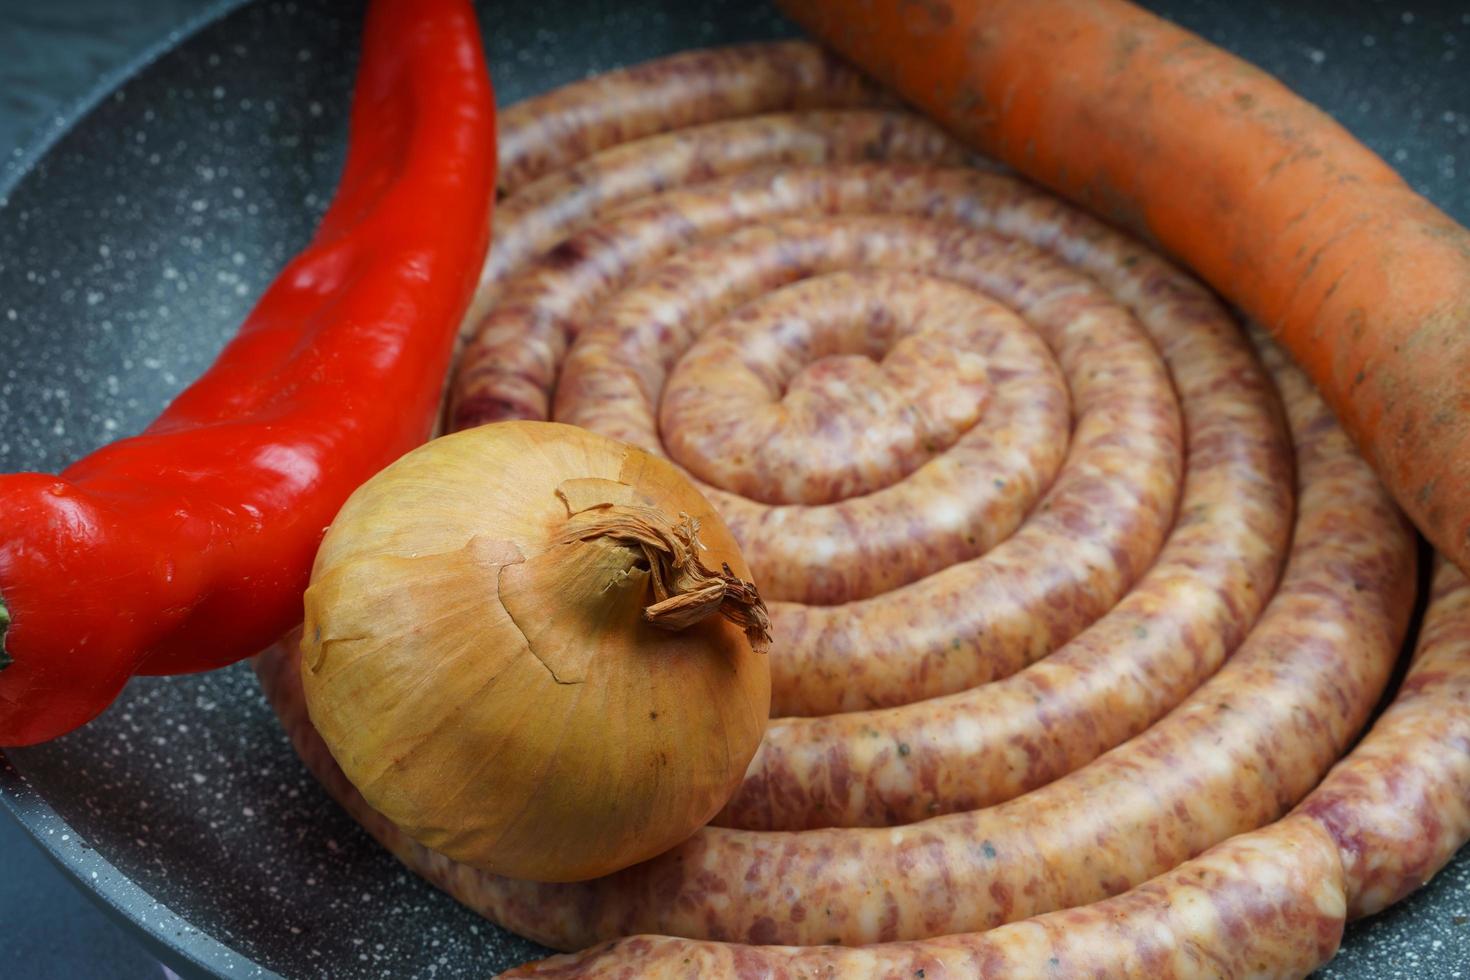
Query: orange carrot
{"points": [[1278, 207]]}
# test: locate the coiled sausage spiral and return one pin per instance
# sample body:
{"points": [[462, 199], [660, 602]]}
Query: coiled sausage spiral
{"points": [[1077, 587]]}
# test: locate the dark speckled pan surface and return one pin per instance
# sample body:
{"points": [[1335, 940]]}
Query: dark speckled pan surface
{"points": [[132, 249]]}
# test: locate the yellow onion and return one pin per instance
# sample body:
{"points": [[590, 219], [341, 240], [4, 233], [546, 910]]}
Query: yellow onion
{"points": [[536, 650]]}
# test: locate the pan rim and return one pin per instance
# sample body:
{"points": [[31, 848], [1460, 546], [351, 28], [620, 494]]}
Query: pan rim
{"points": [[39, 146], [167, 936]]}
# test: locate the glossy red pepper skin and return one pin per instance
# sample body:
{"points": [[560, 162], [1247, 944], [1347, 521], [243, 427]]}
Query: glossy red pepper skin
{"points": [[187, 547]]}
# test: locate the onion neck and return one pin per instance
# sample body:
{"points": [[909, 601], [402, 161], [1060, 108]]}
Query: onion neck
{"points": [[686, 591]]}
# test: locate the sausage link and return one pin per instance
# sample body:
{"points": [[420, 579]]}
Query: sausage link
{"points": [[1240, 750], [1265, 904], [552, 131], [1399, 804]]}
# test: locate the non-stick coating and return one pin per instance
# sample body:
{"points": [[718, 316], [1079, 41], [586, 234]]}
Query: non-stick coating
{"points": [[132, 250]]}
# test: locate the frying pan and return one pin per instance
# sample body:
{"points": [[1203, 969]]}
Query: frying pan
{"points": [[132, 247]]}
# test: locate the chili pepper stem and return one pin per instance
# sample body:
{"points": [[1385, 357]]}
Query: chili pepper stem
{"points": [[5, 658]]}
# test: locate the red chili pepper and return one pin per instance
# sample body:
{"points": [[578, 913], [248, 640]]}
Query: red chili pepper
{"points": [[187, 547]]}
